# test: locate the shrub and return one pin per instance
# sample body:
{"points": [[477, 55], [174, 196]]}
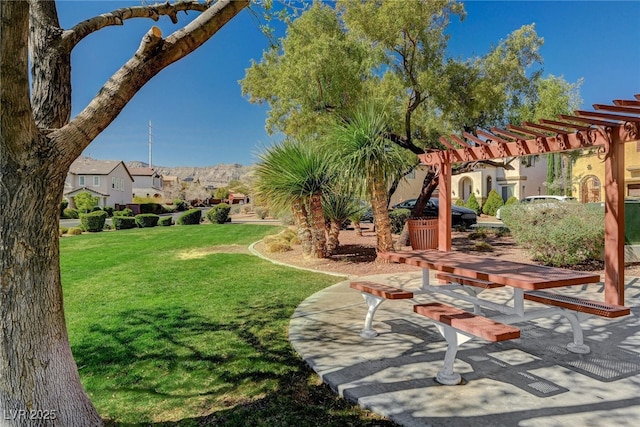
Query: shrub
{"points": [[561, 235], [165, 221], [63, 230], [472, 203], [109, 210], [124, 212], [74, 231], [180, 204], [493, 203], [123, 222], [459, 202], [151, 208], [190, 217], [63, 205], [511, 200], [398, 217], [482, 246], [219, 214], [93, 221], [70, 213], [261, 212], [146, 220]]}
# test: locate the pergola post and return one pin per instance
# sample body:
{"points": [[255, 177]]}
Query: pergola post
{"points": [[614, 222], [444, 202]]}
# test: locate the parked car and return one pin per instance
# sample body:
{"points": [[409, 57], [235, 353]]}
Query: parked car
{"points": [[459, 214], [544, 200]]}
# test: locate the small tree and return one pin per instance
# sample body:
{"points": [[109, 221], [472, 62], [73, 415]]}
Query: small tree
{"points": [[472, 203], [85, 202], [493, 203]]}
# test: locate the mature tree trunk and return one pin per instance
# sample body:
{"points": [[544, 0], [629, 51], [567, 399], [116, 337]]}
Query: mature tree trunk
{"points": [[39, 381], [318, 236], [334, 233], [301, 221], [384, 239]]}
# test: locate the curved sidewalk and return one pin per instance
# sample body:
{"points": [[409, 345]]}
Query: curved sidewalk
{"points": [[531, 381]]}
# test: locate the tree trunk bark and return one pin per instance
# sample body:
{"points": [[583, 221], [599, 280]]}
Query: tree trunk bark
{"points": [[384, 239], [39, 384], [300, 218], [333, 240], [318, 238]]}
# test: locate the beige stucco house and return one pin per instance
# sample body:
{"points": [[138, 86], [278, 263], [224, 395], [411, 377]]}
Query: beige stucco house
{"points": [[146, 182], [109, 180], [524, 177]]}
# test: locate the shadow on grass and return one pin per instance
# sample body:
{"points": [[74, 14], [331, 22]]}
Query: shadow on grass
{"points": [[173, 358]]}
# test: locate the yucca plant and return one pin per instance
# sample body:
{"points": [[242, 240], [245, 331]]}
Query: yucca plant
{"points": [[337, 209], [368, 162], [294, 174]]}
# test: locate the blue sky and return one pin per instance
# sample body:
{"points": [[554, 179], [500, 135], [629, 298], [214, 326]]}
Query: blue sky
{"points": [[199, 117]]}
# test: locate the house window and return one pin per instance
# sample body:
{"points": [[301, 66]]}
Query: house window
{"points": [[96, 181], [81, 181], [113, 182]]}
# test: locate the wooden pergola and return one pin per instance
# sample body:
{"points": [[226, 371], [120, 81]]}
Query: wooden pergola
{"points": [[606, 130]]}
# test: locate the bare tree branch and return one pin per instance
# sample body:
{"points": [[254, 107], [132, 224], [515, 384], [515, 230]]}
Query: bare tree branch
{"points": [[73, 36], [153, 55]]}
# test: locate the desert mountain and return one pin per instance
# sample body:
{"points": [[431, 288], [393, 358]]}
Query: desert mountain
{"points": [[217, 176]]}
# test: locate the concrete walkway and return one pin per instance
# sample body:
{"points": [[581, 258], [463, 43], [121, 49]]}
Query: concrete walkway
{"points": [[531, 381]]}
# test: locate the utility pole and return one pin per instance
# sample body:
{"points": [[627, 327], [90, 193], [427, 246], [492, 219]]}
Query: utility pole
{"points": [[150, 144]]}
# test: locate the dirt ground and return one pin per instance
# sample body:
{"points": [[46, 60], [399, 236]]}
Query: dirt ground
{"points": [[356, 254]]}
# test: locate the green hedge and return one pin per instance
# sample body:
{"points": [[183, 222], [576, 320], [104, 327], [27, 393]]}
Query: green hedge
{"points": [[493, 203], [70, 213], [123, 212], [147, 220], [165, 221], [190, 217], [123, 222], [93, 221], [219, 214]]}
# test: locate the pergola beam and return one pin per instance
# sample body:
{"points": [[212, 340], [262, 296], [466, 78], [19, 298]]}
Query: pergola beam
{"points": [[610, 133]]}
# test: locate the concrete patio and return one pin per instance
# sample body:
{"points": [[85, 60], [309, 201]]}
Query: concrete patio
{"points": [[530, 381]]}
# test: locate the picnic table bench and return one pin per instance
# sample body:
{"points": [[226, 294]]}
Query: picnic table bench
{"points": [[473, 275]]}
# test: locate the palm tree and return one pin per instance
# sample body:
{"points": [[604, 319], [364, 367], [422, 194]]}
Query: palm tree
{"points": [[337, 208], [368, 162], [293, 175]]}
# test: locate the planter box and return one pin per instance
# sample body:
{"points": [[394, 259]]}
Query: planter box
{"points": [[423, 233]]}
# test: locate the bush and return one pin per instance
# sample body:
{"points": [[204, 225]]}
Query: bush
{"points": [[74, 231], [123, 222], [151, 208], [70, 213], [261, 212], [124, 212], [190, 217], [560, 235], [93, 221], [180, 204], [493, 203], [219, 214], [63, 230], [398, 217], [165, 221], [64, 204], [511, 200], [472, 203], [146, 220], [109, 211], [459, 202]]}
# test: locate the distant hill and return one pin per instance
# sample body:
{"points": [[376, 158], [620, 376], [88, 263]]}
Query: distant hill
{"points": [[218, 176]]}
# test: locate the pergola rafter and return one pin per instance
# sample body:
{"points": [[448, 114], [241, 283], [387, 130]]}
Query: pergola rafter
{"points": [[605, 131]]}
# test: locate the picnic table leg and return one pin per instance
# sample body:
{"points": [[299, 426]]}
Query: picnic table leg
{"points": [[425, 278], [454, 339], [577, 346], [373, 302]]}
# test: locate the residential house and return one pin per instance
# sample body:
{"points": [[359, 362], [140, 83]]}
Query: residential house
{"points": [[588, 174], [523, 177], [146, 182], [238, 199], [109, 180]]}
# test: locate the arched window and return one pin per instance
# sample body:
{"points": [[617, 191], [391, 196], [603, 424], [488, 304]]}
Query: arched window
{"points": [[590, 189]]}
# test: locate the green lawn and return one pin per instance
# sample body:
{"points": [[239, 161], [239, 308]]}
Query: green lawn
{"points": [[171, 326]]}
